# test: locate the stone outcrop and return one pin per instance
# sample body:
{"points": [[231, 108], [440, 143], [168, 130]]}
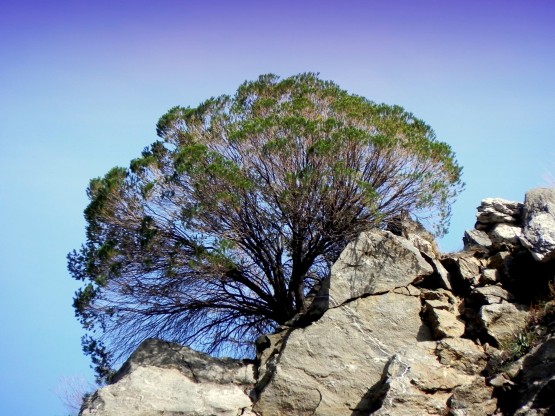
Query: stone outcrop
{"points": [[498, 211], [162, 378], [397, 329], [538, 234], [376, 262], [354, 341]]}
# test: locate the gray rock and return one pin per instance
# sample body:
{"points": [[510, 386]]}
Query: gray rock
{"points": [[442, 276], [491, 294], [476, 238], [329, 367], [427, 246], [416, 233], [505, 234], [193, 364], [151, 390], [165, 378], [538, 234], [469, 268], [536, 390], [498, 210], [376, 262], [462, 354], [464, 266], [498, 260]]}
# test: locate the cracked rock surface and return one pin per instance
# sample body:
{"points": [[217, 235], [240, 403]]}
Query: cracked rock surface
{"points": [[328, 367], [162, 378], [396, 330]]}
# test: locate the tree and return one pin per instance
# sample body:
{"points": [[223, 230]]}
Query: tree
{"points": [[219, 230]]}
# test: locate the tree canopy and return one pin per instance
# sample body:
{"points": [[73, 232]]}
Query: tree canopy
{"points": [[219, 230]]}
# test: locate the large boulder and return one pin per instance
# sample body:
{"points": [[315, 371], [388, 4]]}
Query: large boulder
{"points": [[328, 367], [538, 233], [168, 379], [376, 262]]}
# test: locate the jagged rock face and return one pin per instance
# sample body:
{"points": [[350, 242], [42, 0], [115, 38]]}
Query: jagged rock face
{"points": [[538, 233], [477, 238], [162, 378], [536, 392], [376, 262], [372, 352], [498, 210], [328, 367], [396, 330]]}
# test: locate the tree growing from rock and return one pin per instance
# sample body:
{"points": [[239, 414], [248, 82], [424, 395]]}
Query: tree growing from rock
{"points": [[220, 229]]}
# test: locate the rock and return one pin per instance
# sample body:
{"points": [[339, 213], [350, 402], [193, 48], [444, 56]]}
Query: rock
{"points": [[193, 364], [442, 315], [489, 277], [498, 210], [425, 245], [475, 399], [382, 336], [500, 380], [442, 295], [416, 233], [488, 295], [440, 278], [536, 389], [503, 321], [328, 367], [376, 262], [445, 324], [164, 378], [462, 354], [464, 269], [415, 383], [152, 390], [497, 261], [505, 235], [538, 234], [476, 239]]}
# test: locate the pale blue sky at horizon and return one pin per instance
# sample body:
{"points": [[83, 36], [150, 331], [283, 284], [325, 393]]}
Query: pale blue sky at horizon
{"points": [[82, 85]]}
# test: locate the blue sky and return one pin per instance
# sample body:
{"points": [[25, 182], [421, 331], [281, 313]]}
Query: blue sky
{"points": [[83, 83]]}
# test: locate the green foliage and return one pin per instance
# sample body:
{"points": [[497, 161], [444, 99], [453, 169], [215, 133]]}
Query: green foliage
{"points": [[217, 232]]}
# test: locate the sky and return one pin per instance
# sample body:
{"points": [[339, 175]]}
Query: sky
{"points": [[83, 83]]}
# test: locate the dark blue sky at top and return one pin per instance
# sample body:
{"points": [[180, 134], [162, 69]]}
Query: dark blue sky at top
{"points": [[83, 83]]}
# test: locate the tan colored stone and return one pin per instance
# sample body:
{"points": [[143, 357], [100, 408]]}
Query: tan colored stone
{"points": [[329, 366], [147, 391], [462, 354], [503, 321], [376, 262], [415, 383], [475, 399]]}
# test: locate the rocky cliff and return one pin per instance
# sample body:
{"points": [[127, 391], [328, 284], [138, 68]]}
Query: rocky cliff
{"points": [[399, 329]]}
